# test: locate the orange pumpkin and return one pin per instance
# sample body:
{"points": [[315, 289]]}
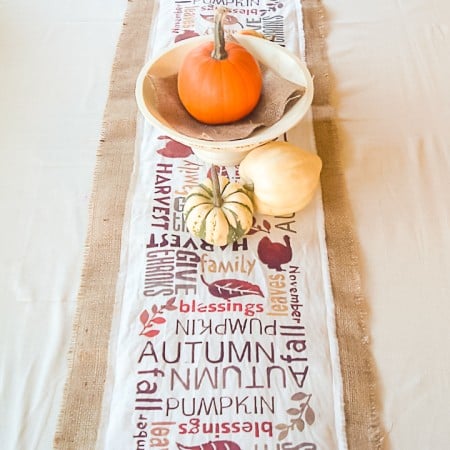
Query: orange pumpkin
{"points": [[219, 82]]}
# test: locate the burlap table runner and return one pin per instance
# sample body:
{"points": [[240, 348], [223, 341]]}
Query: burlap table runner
{"points": [[358, 369], [81, 410]]}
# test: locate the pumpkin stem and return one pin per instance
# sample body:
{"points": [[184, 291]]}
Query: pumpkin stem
{"points": [[219, 51], [217, 198]]}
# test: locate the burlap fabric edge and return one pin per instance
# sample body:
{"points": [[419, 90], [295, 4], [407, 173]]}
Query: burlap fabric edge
{"points": [[361, 401], [80, 413]]}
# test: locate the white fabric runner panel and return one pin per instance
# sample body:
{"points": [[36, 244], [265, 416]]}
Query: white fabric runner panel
{"points": [[220, 347]]}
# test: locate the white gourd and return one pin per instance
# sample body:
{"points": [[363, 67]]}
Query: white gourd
{"points": [[282, 176]]}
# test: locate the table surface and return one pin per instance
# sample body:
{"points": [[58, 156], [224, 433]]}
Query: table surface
{"points": [[390, 67]]}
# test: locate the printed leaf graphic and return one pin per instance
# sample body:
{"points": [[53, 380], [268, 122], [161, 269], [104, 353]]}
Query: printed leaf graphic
{"points": [[144, 317], [300, 424], [154, 309], [151, 333], [297, 422], [281, 426], [171, 308], [299, 396], [158, 320], [208, 17], [170, 305], [186, 34], [309, 415], [283, 434], [229, 288], [266, 224], [229, 19]]}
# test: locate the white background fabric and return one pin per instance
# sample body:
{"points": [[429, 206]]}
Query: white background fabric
{"points": [[391, 69]]}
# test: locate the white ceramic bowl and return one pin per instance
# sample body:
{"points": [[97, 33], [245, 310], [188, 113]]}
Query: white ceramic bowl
{"points": [[227, 153]]}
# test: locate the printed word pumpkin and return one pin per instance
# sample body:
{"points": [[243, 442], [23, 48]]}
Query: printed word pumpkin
{"points": [[282, 176], [218, 211], [219, 82]]}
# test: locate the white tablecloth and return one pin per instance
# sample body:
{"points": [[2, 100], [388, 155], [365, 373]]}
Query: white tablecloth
{"points": [[391, 70]]}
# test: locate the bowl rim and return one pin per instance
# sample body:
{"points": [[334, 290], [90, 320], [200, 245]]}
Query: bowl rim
{"points": [[254, 138]]}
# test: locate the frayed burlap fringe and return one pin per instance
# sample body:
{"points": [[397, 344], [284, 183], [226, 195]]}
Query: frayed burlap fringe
{"points": [[363, 425], [80, 413]]}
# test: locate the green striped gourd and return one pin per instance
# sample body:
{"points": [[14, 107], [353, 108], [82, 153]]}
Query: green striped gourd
{"points": [[218, 217]]}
